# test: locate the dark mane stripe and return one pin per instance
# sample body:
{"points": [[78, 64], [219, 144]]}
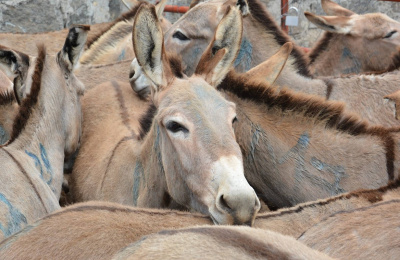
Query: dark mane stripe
{"points": [[31, 100], [146, 121], [372, 196], [320, 47], [7, 98], [328, 112], [130, 15], [258, 11]]}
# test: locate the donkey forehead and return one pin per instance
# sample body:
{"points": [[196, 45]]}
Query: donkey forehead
{"points": [[195, 96], [376, 22]]}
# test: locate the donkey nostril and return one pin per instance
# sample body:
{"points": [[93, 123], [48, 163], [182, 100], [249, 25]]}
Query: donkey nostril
{"points": [[224, 204], [131, 74]]}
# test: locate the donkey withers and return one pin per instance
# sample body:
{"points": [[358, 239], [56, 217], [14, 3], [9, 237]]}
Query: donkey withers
{"points": [[185, 153], [47, 126]]}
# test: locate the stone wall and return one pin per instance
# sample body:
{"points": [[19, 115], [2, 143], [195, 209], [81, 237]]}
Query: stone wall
{"points": [[48, 15]]}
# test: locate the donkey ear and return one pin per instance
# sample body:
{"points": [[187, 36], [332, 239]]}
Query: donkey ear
{"points": [[336, 24], [148, 44], [9, 62], [395, 98], [15, 66], [74, 45], [130, 3], [270, 69], [217, 59], [194, 3], [332, 8], [160, 8]]}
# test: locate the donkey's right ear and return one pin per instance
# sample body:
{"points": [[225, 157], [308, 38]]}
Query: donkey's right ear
{"points": [[332, 8], [270, 69], [73, 46]]}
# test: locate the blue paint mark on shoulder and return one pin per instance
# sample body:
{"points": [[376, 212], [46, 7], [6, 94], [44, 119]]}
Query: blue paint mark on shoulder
{"points": [[37, 162], [245, 55], [48, 176], [15, 221], [46, 163]]}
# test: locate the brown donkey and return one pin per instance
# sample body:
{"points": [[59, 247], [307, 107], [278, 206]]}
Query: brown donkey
{"points": [[211, 242], [262, 37], [339, 50], [47, 126], [364, 233], [186, 153], [103, 228]]}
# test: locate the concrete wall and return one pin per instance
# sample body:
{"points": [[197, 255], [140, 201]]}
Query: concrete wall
{"points": [[48, 15]]}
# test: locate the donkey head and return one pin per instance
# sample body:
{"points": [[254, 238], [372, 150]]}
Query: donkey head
{"points": [[201, 160], [377, 33], [192, 33]]}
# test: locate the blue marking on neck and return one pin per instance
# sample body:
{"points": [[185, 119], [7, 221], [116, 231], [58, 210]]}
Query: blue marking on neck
{"points": [[15, 219], [138, 172], [122, 55], [43, 154], [245, 55], [3, 135], [346, 54]]}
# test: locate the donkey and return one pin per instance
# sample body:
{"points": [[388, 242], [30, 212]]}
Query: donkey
{"points": [[94, 223], [338, 51], [185, 153], [115, 42], [211, 242], [298, 147], [364, 233], [103, 229], [47, 126], [261, 39]]}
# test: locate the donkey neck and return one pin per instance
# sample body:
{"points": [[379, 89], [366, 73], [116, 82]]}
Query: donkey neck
{"points": [[304, 151], [42, 140], [324, 58], [149, 184]]}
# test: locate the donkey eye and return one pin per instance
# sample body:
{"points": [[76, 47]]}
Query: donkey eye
{"points": [[180, 36], [175, 127], [390, 34], [234, 120]]}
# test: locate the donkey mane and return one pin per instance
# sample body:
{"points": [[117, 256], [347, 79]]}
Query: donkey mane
{"points": [[125, 17], [372, 196], [7, 98], [30, 101], [320, 47], [258, 11], [327, 112]]}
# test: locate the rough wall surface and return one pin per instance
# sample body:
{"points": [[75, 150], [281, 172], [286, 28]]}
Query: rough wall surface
{"points": [[49, 15]]}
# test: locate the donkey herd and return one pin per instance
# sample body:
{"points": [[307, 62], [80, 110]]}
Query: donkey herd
{"points": [[134, 139]]}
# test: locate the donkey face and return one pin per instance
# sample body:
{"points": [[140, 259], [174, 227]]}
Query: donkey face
{"points": [[201, 160]]}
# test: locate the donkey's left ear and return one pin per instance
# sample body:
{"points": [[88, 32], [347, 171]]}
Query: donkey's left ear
{"points": [[270, 69], [74, 45], [217, 59], [335, 24], [332, 8]]}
